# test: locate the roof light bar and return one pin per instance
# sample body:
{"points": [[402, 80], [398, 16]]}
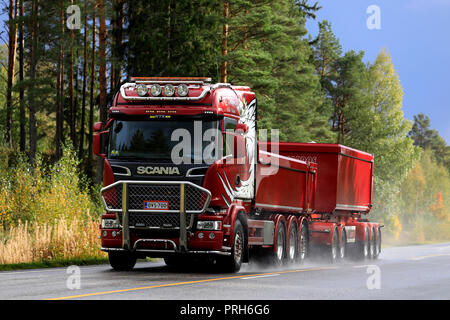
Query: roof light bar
{"points": [[172, 80]]}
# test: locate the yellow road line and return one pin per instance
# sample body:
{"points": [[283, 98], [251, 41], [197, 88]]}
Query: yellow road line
{"points": [[189, 282], [430, 256]]}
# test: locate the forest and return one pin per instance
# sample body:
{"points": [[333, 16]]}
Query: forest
{"points": [[63, 61]]}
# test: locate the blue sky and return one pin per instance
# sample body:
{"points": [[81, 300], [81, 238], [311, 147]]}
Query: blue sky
{"points": [[417, 35]]}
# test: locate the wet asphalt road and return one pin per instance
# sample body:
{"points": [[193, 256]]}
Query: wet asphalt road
{"points": [[413, 272]]}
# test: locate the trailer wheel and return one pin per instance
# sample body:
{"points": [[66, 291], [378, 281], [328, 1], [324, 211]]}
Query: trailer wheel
{"points": [[280, 252], [303, 245], [292, 251], [372, 246], [378, 244], [343, 245], [363, 246], [334, 247], [122, 260]]}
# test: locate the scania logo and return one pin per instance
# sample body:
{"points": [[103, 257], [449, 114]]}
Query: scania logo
{"points": [[158, 170]]}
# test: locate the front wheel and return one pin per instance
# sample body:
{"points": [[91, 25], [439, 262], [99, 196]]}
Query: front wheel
{"points": [[122, 260], [233, 263]]}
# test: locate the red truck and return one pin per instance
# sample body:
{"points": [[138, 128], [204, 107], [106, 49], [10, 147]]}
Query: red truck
{"points": [[184, 175]]}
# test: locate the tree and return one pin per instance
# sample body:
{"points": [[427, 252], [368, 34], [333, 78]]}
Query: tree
{"points": [[345, 87], [378, 126], [184, 38], [12, 47], [428, 138]]}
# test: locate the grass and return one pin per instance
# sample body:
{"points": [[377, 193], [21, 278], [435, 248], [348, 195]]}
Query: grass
{"points": [[53, 263], [64, 240]]}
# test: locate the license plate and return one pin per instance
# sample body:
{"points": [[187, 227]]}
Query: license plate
{"points": [[156, 205]]}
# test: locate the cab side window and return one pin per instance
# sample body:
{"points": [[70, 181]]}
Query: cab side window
{"points": [[229, 125]]}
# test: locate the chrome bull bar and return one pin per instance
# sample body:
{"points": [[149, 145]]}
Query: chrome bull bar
{"points": [[189, 198]]}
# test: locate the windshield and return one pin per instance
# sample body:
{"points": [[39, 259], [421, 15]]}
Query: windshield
{"points": [[160, 140]]}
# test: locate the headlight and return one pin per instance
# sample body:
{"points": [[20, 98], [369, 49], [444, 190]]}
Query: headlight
{"points": [[182, 90], [209, 225], [155, 90], [109, 224], [169, 90], [141, 90]]}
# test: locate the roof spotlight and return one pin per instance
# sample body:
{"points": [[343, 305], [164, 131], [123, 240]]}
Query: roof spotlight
{"points": [[155, 90], [182, 90], [169, 90], [141, 90]]}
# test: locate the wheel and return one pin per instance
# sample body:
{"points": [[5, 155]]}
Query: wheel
{"points": [[372, 246], [334, 247], [303, 243], [175, 261], [122, 260], [280, 252], [363, 246], [343, 245], [292, 251], [233, 263], [378, 244]]}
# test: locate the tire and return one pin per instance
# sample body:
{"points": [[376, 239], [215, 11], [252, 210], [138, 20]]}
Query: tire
{"points": [[233, 263], [292, 249], [279, 256], [378, 244], [372, 246], [303, 243], [122, 260], [363, 247], [334, 247], [343, 246], [174, 261]]}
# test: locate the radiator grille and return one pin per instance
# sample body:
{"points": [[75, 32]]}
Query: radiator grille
{"points": [[196, 198], [156, 220]]}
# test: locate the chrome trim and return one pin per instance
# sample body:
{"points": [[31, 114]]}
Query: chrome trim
{"points": [[156, 183], [348, 206], [277, 206], [121, 174], [226, 202], [160, 98], [223, 253], [165, 241], [189, 175]]}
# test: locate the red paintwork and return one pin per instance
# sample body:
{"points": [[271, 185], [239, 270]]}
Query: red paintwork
{"points": [[293, 179], [344, 178], [328, 186]]}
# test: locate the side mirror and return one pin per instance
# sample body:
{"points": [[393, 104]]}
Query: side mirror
{"points": [[97, 126], [241, 128], [97, 143]]}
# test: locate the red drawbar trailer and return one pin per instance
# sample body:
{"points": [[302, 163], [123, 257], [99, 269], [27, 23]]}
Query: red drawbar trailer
{"points": [[342, 196], [344, 179]]}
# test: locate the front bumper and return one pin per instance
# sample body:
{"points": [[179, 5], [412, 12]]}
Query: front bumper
{"points": [[190, 201]]}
